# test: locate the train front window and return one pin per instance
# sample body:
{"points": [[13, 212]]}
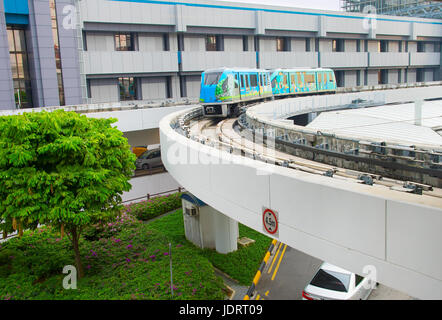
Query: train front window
{"points": [[212, 78]]}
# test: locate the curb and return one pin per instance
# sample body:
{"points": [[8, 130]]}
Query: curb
{"points": [[260, 270]]}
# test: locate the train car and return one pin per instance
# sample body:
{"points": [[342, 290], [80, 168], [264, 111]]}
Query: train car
{"points": [[224, 90], [292, 82]]}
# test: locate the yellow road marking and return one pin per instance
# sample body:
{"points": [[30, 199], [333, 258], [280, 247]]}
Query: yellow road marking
{"points": [[257, 297], [279, 262], [274, 259], [267, 293]]}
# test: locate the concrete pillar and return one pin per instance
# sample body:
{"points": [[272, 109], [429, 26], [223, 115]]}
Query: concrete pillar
{"points": [[42, 56], [74, 81], [226, 233], [208, 228]]}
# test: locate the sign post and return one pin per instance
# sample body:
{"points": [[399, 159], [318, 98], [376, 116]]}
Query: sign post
{"points": [[270, 221]]}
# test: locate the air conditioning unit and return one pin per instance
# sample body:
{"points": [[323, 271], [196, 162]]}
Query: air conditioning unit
{"points": [[191, 211]]}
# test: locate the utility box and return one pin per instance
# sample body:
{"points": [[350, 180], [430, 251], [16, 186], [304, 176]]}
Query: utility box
{"points": [[206, 227]]}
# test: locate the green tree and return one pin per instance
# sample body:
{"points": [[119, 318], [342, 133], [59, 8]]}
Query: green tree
{"points": [[63, 169]]}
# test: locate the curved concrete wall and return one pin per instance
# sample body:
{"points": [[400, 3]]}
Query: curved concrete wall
{"points": [[347, 224]]}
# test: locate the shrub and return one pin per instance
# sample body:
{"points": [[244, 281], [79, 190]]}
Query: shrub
{"points": [[154, 207], [128, 260]]}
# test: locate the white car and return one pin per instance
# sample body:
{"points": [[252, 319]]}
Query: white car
{"points": [[334, 283]]}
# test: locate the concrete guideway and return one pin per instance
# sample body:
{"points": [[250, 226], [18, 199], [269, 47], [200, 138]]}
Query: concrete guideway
{"points": [[345, 223]]}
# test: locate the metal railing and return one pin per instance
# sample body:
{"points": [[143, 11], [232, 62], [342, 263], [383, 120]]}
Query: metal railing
{"points": [[153, 195]]}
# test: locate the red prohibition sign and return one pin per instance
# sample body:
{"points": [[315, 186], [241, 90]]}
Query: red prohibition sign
{"points": [[270, 221]]}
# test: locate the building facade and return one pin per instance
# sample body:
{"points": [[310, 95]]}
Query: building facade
{"points": [[65, 52]]}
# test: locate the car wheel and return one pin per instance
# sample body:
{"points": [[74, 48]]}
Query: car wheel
{"points": [[145, 166]]}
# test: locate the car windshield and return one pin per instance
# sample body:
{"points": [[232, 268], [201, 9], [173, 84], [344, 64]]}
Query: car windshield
{"points": [[212, 78], [331, 280]]}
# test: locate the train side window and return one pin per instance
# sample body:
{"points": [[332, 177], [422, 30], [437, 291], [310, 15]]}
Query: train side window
{"points": [[236, 81], [253, 80], [319, 77], [309, 78], [300, 84], [292, 76], [248, 80], [243, 81], [285, 79]]}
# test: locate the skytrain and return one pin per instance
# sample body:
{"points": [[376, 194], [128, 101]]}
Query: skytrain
{"points": [[224, 91]]}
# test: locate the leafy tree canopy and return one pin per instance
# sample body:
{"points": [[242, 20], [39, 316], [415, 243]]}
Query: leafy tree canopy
{"points": [[61, 168]]}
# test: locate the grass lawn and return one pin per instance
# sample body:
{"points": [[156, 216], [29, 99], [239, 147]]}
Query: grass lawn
{"points": [[240, 265], [126, 259]]}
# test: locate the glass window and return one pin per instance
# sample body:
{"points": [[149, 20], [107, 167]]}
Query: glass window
{"points": [[331, 280], [245, 43], [58, 63], [253, 80], [358, 280], [211, 43], [338, 45], [281, 44], [128, 89], [309, 78], [212, 78], [307, 45], [124, 42], [19, 67]]}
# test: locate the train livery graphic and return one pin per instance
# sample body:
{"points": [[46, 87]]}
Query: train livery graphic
{"points": [[224, 91]]}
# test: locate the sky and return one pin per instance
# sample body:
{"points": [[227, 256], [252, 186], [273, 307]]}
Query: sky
{"points": [[309, 4]]}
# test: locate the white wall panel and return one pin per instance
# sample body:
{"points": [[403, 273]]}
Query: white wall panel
{"points": [[414, 237], [121, 62], [387, 59], [153, 88], [270, 60], [100, 41], [199, 61], [344, 59], [104, 90], [193, 86]]}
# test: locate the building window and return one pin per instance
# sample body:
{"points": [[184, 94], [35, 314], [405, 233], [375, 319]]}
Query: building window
{"points": [[308, 45], [166, 42], [338, 45], [128, 89], [214, 43], [282, 44], [88, 88], [19, 67], [124, 42], [383, 76], [58, 63], [383, 46], [358, 45], [245, 43], [421, 47], [358, 78]]}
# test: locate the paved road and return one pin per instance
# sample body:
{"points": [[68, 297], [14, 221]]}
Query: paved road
{"points": [[286, 274], [289, 271]]}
